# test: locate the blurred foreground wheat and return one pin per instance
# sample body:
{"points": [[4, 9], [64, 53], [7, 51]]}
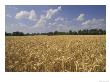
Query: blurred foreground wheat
{"points": [[69, 53]]}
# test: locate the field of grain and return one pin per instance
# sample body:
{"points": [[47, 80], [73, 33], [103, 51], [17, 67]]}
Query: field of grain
{"points": [[68, 53]]}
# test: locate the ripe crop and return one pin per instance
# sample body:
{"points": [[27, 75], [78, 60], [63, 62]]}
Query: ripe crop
{"points": [[66, 53]]}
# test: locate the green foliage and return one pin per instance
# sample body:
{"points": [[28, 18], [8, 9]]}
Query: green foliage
{"points": [[80, 32]]}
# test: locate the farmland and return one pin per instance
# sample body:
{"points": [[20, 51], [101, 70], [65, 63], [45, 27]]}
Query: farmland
{"points": [[66, 53]]}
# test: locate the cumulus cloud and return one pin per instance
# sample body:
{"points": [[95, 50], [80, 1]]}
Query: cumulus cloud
{"points": [[44, 18], [86, 22], [94, 23], [59, 19], [60, 25], [80, 17], [52, 12], [27, 15]]}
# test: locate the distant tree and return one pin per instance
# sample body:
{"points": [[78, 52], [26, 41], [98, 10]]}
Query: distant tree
{"points": [[43, 33], [17, 33], [85, 32], [27, 34], [102, 31], [50, 33], [33, 34], [70, 32], [56, 33], [74, 33], [38, 34], [79, 32], [93, 31], [7, 34]]}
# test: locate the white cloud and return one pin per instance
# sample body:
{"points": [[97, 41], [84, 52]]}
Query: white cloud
{"points": [[94, 23], [59, 19], [32, 15], [62, 26], [22, 14], [27, 15], [80, 17], [52, 12], [44, 18], [86, 22], [8, 15]]}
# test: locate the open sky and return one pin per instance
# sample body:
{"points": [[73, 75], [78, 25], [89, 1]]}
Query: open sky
{"points": [[47, 18]]}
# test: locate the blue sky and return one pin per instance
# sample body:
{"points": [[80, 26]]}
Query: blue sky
{"points": [[46, 18]]}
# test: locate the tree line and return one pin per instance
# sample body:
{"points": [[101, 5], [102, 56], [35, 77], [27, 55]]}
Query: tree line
{"points": [[70, 32]]}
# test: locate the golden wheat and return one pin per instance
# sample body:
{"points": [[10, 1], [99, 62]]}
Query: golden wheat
{"points": [[68, 53]]}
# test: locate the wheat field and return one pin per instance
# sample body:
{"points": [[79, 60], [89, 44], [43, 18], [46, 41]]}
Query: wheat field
{"points": [[66, 53]]}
